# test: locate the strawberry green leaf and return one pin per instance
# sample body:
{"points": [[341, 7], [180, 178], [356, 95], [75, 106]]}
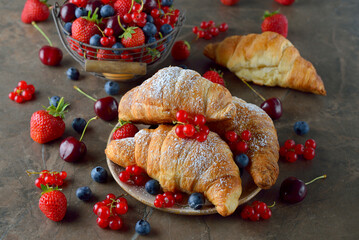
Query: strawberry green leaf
{"points": [[269, 14], [58, 111], [154, 52], [128, 32]]}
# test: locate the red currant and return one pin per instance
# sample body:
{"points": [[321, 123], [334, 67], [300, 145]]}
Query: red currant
{"points": [[223, 27], [201, 137], [26, 95], [169, 201], [129, 169], [255, 203], [189, 130], [182, 116], [121, 208], [96, 207], [310, 143], [124, 176], [43, 173], [210, 23], [214, 31], [12, 95], [115, 223], [289, 144], [266, 214], [103, 212], [246, 135], [199, 119], [122, 199], [106, 202], [158, 203], [242, 147], [59, 182], [63, 174], [137, 170], [204, 129], [139, 180], [39, 181], [207, 36], [299, 149], [22, 85], [231, 136], [166, 194], [108, 32], [104, 41], [247, 212], [177, 12], [178, 197], [179, 131], [309, 153], [255, 217], [282, 151], [111, 40], [102, 223], [31, 88], [260, 208], [136, 7], [155, 13], [195, 29], [18, 99], [49, 179], [111, 196], [291, 156], [204, 25], [127, 18]]}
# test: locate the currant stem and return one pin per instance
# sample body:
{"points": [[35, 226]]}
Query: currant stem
{"points": [[272, 205], [142, 3], [315, 179], [42, 32], [83, 132], [30, 173], [253, 90], [79, 90]]}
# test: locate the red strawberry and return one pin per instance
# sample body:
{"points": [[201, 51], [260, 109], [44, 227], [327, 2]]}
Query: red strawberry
{"points": [[47, 125], [229, 2], [53, 203], [79, 3], [35, 11], [133, 37], [214, 76], [126, 130], [122, 7], [180, 50], [275, 22], [106, 55], [285, 2], [84, 28]]}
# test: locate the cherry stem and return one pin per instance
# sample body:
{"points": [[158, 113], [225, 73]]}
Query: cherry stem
{"points": [[119, 23], [42, 32], [103, 34], [315, 179], [142, 3], [79, 90], [272, 205], [253, 90], [159, 4], [83, 132]]}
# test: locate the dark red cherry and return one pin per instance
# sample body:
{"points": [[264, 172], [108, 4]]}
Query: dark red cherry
{"points": [[72, 149], [50, 56], [92, 5], [273, 107], [292, 190], [113, 23], [149, 5], [67, 12], [106, 108]]}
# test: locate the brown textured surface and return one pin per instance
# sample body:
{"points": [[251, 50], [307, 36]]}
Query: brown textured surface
{"points": [[326, 33]]}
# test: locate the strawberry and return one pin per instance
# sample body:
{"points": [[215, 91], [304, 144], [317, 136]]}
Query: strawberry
{"points": [[79, 3], [214, 76], [180, 50], [275, 22], [35, 11], [47, 125], [133, 37], [285, 2], [125, 130], [84, 28], [53, 203], [122, 7], [106, 55]]}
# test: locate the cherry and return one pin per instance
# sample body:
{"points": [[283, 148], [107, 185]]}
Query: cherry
{"points": [[49, 55], [92, 5], [149, 5], [105, 108], [113, 23], [273, 107], [293, 190], [67, 12]]}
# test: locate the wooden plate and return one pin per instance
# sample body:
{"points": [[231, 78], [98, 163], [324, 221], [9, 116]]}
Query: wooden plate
{"points": [[140, 193]]}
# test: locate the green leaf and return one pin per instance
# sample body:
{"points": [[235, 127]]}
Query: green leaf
{"points": [[269, 14], [58, 111], [128, 32]]}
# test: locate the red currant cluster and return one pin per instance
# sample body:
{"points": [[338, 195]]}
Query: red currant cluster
{"points": [[168, 199], [290, 150], [108, 39], [165, 15], [256, 211], [191, 128], [209, 29], [238, 145], [49, 178], [109, 210], [134, 175], [22, 92]]}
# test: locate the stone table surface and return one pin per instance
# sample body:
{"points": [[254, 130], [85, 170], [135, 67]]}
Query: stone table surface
{"points": [[325, 32]]}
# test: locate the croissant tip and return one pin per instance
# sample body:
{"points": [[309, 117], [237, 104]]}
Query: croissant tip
{"points": [[209, 51]]}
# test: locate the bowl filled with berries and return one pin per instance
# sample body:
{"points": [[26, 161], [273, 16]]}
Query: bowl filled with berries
{"points": [[118, 39]]}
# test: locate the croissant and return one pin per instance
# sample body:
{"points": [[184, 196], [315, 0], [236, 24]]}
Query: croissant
{"points": [[263, 145], [183, 164], [171, 89], [266, 59]]}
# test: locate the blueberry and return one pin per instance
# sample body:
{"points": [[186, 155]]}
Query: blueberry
{"points": [[107, 11], [150, 19], [241, 160], [112, 88], [183, 66], [152, 40], [153, 187], [167, 3], [68, 27], [149, 29], [54, 100], [99, 174], [117, 45], [196, 201], [79, 12], [78, 124], [301, 128], [73, 73], [95, 40], [84, 193], [166, 29], [142, 227]]}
